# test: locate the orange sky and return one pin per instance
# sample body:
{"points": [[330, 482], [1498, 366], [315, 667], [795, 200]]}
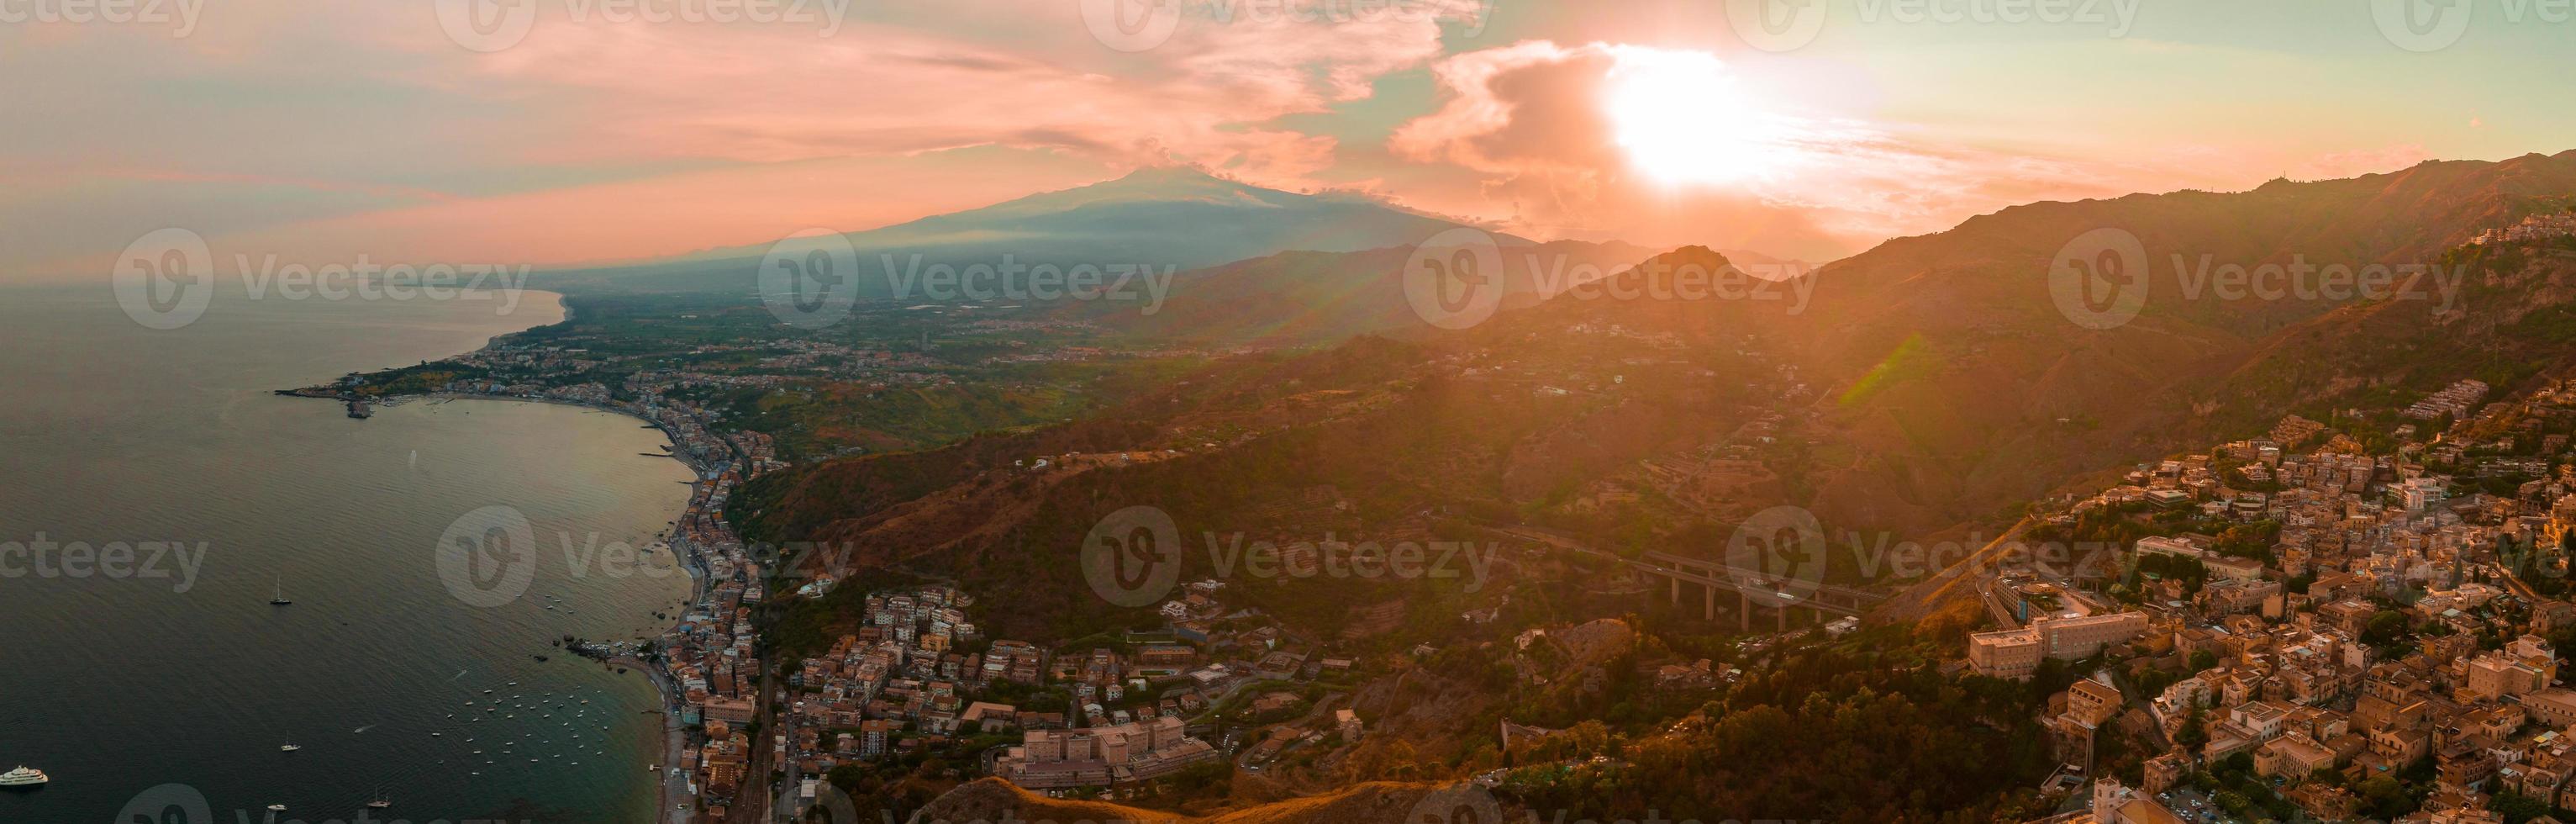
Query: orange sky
{"points": [[620, 129]]}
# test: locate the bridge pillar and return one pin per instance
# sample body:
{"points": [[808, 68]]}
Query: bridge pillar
{"points": [[1708, 609], [1677, 590], [1743, 613]]}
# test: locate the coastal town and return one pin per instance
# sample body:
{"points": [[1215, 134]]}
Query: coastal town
{"points": [[2349, 613], [2360, 618], [919, 677]]}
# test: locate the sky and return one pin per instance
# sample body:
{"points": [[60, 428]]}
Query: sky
{"points": [[555, 132]]}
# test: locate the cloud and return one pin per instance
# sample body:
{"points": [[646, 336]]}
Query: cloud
{"points": [[1553, 131]]}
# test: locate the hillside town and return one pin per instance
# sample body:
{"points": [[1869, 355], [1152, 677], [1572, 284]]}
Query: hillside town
{"points": [[2319, 628], [918, 676]]}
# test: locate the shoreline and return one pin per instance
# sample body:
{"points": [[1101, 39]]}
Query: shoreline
{"points": [[675, 742], [700, 573]]}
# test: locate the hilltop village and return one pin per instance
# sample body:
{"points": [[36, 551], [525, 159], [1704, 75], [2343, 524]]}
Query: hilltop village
{"points": [[2346, 619]]}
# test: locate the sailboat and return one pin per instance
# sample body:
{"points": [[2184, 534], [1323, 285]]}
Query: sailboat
{"points": [[279, 599], [381, 801]]}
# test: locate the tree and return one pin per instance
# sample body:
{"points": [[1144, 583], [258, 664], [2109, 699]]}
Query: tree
{"points": [[2385, 629], [2385, 797], [2192, 733], [2517, 808]]}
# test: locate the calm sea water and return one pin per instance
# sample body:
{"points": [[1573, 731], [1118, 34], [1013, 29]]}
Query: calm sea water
{"points": [[110, 432]]}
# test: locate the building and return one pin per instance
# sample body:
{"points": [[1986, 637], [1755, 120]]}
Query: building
{"points": [[1102, 756], [2068, 639], [2115, 804], [2016, 653], [2011, 653]]}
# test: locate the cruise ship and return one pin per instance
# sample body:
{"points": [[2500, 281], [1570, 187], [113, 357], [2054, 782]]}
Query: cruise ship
{"points": [[23, 777]]}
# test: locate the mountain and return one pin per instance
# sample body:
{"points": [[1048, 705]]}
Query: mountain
{"points": [[1163, 218], [1959, 386], [1925, 388]]}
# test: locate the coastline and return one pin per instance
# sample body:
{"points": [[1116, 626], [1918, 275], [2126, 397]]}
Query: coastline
{"points": [[675, 742], [695, 562]]}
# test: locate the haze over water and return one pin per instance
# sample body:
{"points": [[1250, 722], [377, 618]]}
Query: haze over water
{"points": [[115, 432]]}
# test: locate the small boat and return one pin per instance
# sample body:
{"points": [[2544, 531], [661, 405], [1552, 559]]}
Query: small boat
{"points": [[278, 598], [277, 808], [289, 746]]}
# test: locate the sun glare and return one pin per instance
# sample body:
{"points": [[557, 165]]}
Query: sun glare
{"points": [[1683, 119]]}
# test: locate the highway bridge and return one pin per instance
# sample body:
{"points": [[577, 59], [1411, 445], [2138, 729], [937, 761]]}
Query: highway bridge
{"points": [[1754, 588]]}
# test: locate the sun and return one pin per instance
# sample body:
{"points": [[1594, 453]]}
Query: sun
{"points": [[1683, 119]]}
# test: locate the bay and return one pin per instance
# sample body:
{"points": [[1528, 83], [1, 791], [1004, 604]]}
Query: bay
{"points": [[183, 673]]}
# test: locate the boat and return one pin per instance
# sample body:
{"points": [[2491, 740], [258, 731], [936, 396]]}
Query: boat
{"points": [[279, 598], [289, 746], [277, 808], [23, 776], [381, 802]]}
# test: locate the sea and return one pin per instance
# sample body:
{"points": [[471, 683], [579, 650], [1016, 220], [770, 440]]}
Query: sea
{"points": [[158, 495]]}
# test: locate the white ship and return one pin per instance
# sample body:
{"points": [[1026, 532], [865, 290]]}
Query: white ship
{"points": [[23, 777]]}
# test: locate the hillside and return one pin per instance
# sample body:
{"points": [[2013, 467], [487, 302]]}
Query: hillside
{"points": [[1319, 297], [993, 799], [1930, 385], [1959, 386]]}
